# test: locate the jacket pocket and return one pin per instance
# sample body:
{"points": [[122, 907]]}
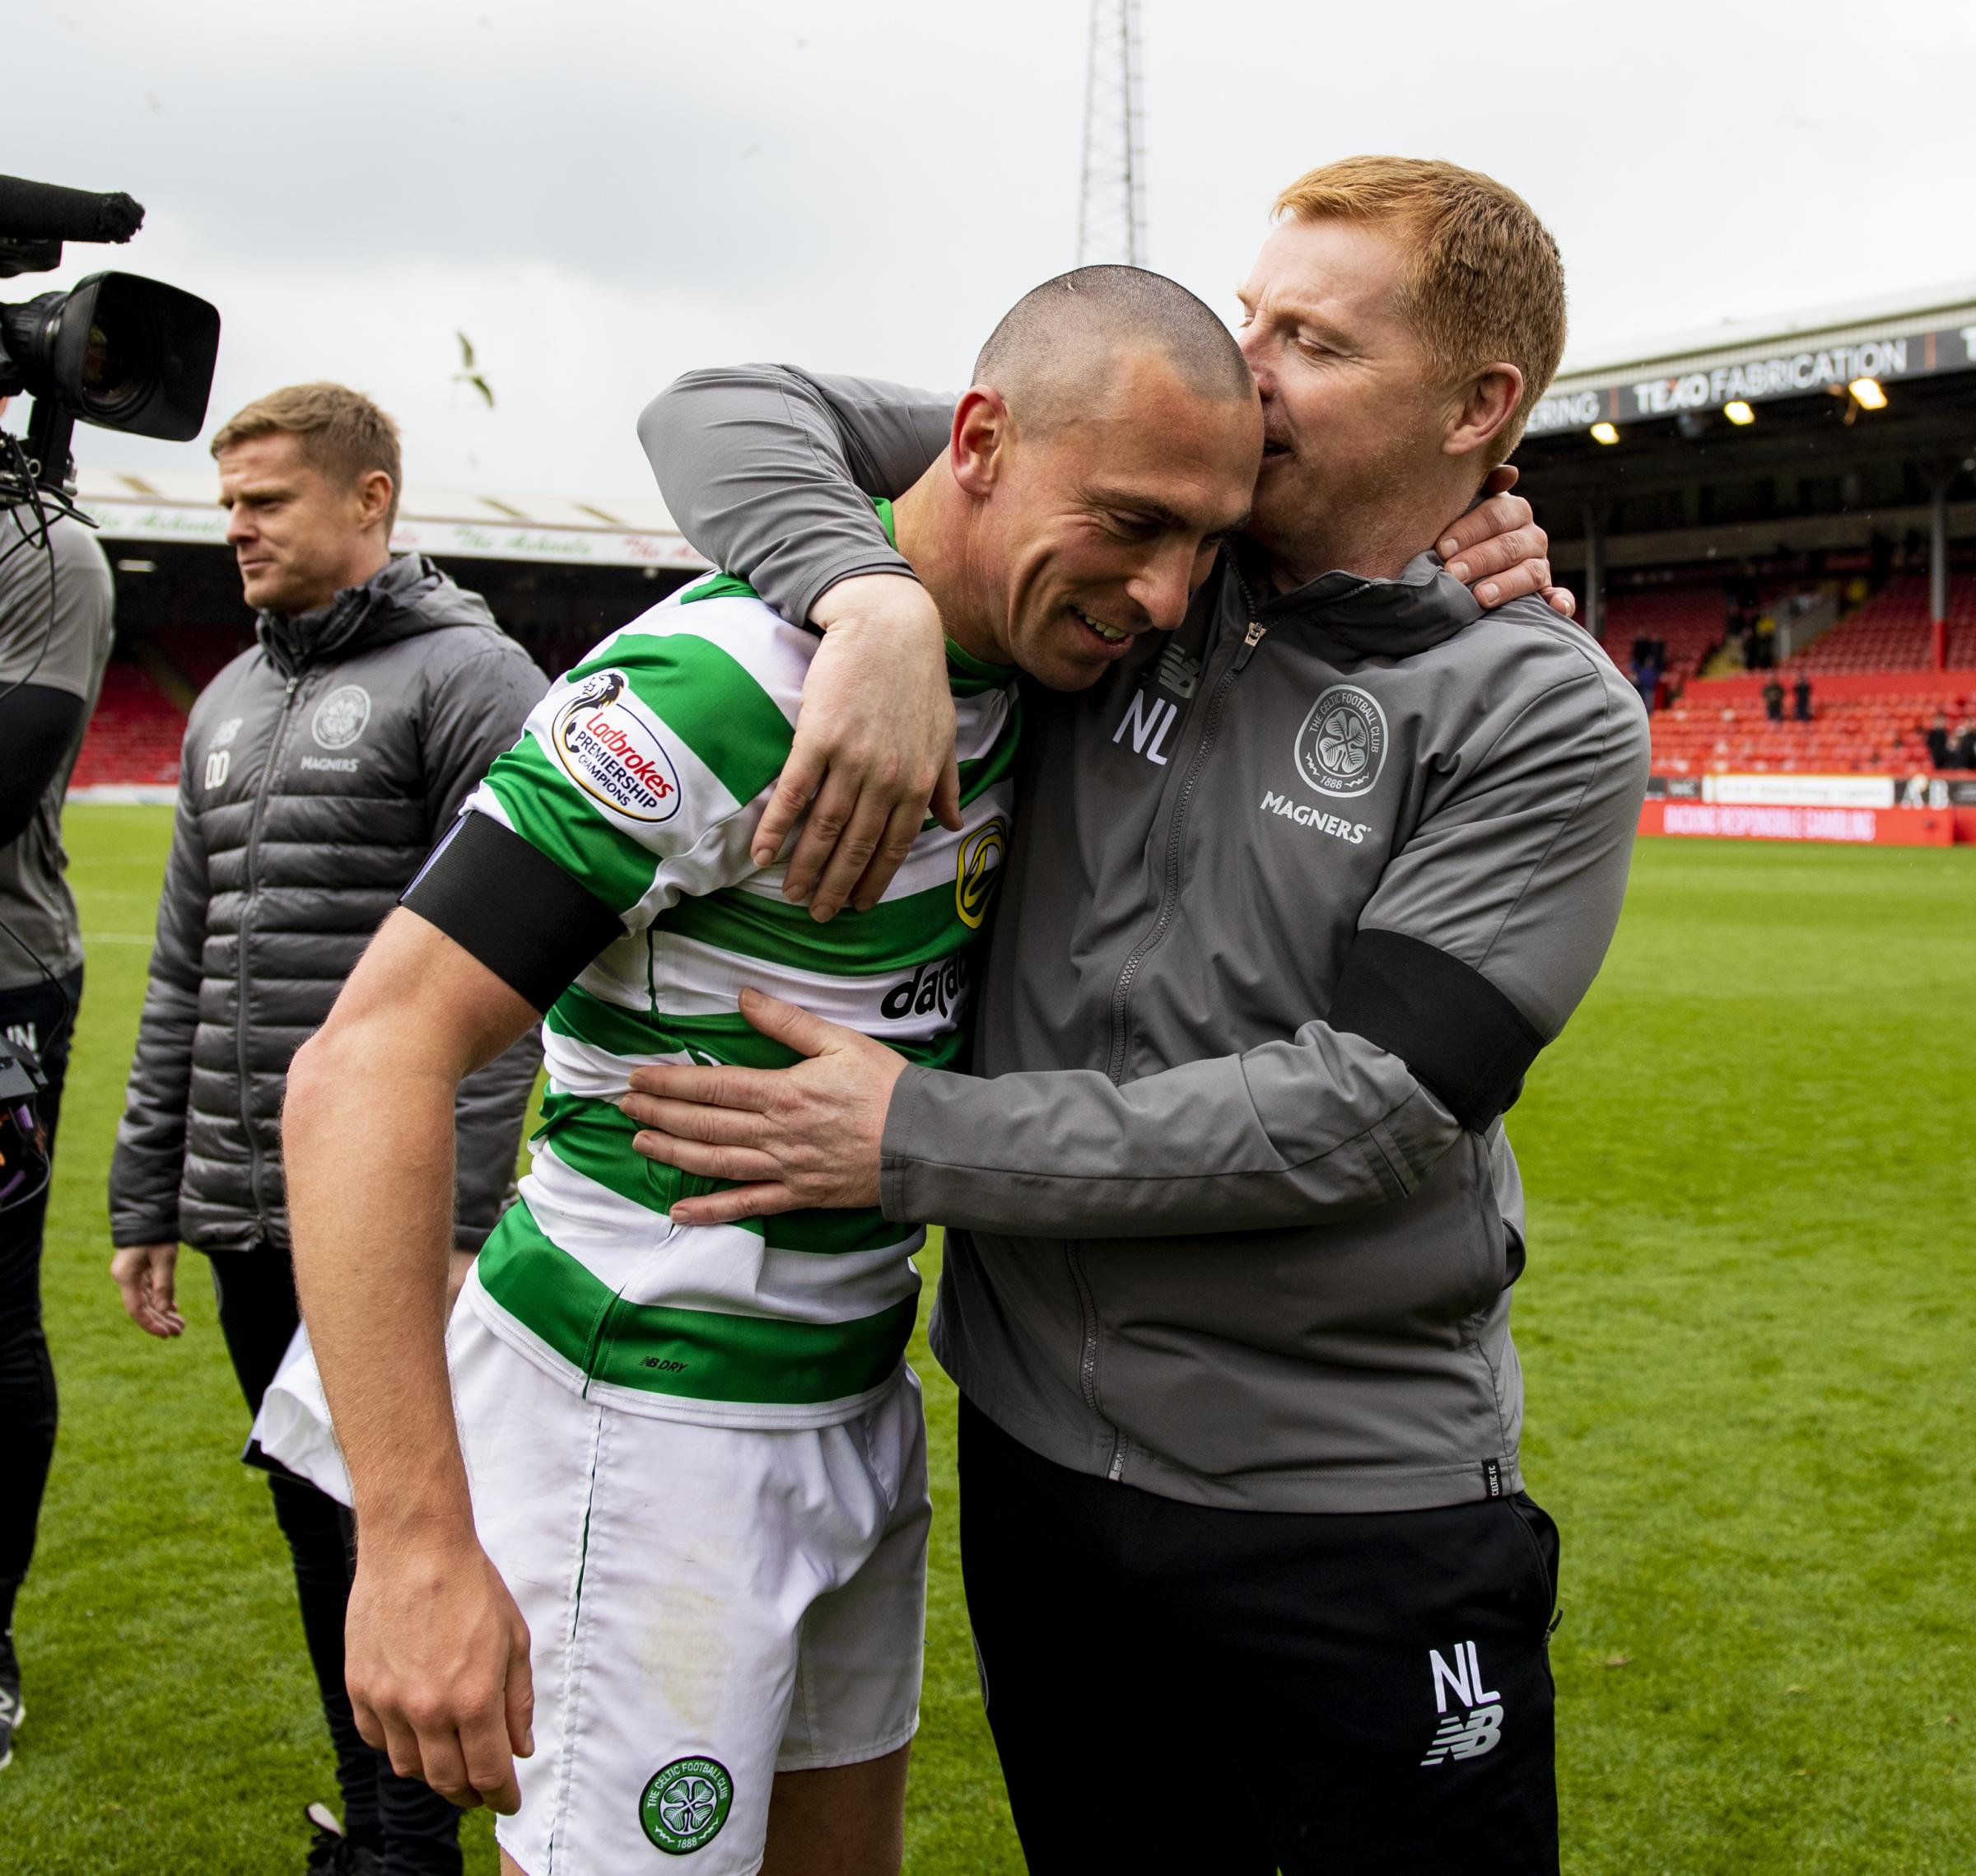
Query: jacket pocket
{"points": [[1541, 1529]]}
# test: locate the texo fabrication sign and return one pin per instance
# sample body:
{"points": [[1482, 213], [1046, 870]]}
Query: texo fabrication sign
{"points": [[1763, 374]]}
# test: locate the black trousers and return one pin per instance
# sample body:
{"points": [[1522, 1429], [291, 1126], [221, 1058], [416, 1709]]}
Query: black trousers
{"points": [[416, 1830], [1234, 1693], [39, 1016]]}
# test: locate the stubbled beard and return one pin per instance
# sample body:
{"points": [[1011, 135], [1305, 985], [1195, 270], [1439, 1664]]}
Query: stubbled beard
{"points": [[1316, 523]]}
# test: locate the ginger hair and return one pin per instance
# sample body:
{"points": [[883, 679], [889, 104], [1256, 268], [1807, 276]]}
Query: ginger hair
{"points": [[1484, 282]]}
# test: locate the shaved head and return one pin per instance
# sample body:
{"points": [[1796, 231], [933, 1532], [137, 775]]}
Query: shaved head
{"points": [[1107, 447], [1056, 348]]}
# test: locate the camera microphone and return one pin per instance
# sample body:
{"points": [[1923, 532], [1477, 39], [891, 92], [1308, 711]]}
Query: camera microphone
{"points": [[43, 211]]}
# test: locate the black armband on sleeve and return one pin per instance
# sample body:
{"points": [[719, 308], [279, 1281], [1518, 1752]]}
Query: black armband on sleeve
{"points": [[533, 925], [1465, 1042]]}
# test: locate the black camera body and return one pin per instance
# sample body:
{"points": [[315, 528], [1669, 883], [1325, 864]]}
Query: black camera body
{"points": [[117, 350]]}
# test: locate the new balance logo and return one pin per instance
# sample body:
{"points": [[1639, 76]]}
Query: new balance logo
{"points": [[1476, 1726], [1178, 672], [1466, 1735]]}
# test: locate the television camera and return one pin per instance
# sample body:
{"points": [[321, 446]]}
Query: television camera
{"points": [[116, 350]]}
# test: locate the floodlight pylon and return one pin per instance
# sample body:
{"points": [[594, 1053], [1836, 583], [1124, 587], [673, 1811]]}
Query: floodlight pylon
{"points": [[1112, 205]]}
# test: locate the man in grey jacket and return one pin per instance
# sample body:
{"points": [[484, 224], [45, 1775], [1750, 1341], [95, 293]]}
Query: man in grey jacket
{"points": [[319, 769], [1296, 898]]}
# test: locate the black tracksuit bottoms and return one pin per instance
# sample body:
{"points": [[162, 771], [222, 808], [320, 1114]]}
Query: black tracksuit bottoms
{"points": [[1173, 1687], [416, 1831], [43, 1018]]}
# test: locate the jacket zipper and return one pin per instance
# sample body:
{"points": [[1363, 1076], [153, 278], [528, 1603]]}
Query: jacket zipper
{"points": [[1121, 995], [1088, 1365], [241, 973], [1169, 898]]}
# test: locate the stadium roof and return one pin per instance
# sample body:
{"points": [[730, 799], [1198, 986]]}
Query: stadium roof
{"points": [[1911, 335], [182, 506]]}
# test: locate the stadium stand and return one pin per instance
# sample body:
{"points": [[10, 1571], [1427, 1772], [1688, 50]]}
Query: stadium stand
{"points": [[159, 667], [1688, 620], [1719, 727], [1890, 633], [1712, 726], [199, 652], [133, 740]]}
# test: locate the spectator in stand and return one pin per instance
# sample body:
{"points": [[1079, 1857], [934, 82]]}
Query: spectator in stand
{"points": [[1963, 750], [320, 768], [1801, 699], [1761, 651], [1650, 659], [1937, 740], [53, 644], [1773, 701]]}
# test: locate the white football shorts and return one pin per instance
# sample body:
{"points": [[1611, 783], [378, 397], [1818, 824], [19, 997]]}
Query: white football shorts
{"points": [[707, 1606]]}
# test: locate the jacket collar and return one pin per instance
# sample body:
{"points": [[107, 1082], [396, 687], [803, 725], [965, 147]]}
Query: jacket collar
{"points": [[1423, 607], [394, 603]]}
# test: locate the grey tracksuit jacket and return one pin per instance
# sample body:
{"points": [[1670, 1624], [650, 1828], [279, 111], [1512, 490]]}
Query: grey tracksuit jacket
{"points": [[318, 770], [1296, 895]]}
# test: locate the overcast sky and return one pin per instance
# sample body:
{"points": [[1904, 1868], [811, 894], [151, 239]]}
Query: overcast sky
{"points": [[602, 194]]}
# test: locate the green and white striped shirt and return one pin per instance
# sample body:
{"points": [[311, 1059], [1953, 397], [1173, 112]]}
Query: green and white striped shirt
{"points": [[644, 774]]}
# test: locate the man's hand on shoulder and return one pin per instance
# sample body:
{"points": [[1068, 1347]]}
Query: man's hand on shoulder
{"points": [[874, 748], [1498, 551], [796, 1139]]}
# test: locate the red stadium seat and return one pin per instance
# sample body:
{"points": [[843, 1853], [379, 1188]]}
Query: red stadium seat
{"points": [[133, 737]]}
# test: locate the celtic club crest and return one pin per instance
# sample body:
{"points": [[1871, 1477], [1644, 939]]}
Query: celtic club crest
{"points": [[685, 1804], [1341, 747], [340, 717]]}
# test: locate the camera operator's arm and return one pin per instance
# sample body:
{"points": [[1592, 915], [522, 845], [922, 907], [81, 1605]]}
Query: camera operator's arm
{"points": [[38, 727], [51, 661], [148, 1163]]}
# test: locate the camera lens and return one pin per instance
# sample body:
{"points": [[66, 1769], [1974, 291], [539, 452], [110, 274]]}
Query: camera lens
{"points": [[116, 349], [115, 365]]}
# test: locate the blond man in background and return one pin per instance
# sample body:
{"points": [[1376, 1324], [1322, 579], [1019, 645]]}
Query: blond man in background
{"points": [[319, 768]]}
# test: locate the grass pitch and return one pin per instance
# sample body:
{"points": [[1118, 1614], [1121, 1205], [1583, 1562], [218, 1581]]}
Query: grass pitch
{"points": [[1746, 1326]]}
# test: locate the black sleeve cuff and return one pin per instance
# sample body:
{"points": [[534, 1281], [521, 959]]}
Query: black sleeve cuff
{"points": [[1465, 1042], [533, 925]]}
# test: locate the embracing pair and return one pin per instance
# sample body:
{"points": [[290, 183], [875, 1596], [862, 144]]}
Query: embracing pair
{"points": [[1302, 854]]}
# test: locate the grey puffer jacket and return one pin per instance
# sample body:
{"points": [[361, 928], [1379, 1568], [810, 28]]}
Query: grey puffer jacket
{"points": [[318, 771]]}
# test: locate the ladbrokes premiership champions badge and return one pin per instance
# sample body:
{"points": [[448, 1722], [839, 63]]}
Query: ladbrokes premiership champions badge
{"points": [[609, 745]]}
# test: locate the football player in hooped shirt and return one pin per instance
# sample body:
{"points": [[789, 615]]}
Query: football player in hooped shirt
{"points": [[673, 1559]]}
